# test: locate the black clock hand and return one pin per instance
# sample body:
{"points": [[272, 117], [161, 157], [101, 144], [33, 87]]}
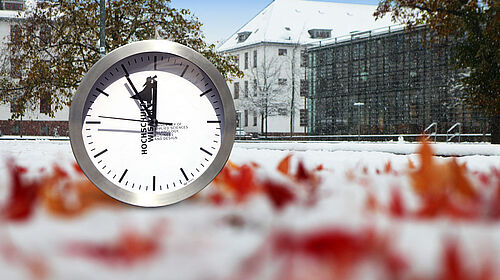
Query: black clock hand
{"points": [[155, 98], [137, 94], [132, 120]]}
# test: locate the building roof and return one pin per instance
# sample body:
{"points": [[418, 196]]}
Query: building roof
{"points": [[291, 21], [7, 14]]}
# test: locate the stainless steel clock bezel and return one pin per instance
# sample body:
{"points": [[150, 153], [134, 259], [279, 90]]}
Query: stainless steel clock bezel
{"points": [[76, 123]]}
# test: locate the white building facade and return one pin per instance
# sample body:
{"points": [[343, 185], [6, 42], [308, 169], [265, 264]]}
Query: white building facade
{"points": [[270, 50], [34, 122]]}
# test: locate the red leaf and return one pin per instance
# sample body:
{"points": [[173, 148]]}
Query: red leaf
{"points": [[130, 248], [279, 195], [397, 207], [23, 196]]}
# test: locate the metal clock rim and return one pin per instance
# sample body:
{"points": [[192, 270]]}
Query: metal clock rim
{"points": [[76, 124]]}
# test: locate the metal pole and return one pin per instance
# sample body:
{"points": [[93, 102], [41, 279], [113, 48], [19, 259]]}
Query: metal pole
{"points": [[359, 104], [102, 26], [359, 123]]}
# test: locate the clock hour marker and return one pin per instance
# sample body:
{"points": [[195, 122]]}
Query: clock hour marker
{"points": [[213, 121], [123, 175], [125, 70], [100, 153], [154, 178], [101, 91], [93, 122], [205, 151], [184, 173], [185, 69], [155, 69], [205, 92]]}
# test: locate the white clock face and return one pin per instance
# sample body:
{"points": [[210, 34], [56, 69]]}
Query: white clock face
{"points": [[152, 124]]}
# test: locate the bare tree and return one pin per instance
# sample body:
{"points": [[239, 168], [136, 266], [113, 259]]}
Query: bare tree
{"points": [[267, 92]]}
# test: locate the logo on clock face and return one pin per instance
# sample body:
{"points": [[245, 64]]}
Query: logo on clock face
{"points": [[148, 112], [151, 129]]}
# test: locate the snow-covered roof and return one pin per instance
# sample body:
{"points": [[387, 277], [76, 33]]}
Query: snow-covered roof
{"points": [[7, 14], [290, 21]]}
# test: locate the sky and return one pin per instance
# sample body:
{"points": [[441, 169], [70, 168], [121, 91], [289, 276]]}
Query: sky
{"points": [[221, 18]]}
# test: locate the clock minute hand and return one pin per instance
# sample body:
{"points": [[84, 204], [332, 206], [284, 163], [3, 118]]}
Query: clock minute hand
{"points": [[132, 120], [127, 76]]}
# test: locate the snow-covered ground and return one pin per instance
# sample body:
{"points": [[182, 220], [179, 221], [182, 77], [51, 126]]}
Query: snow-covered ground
{"points": [[334, 211]]}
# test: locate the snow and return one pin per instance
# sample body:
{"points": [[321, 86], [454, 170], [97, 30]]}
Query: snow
{"points": [[442, 149], [288, 21], [200, 244], [5, 14]]}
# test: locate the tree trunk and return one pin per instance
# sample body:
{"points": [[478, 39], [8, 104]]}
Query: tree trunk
{"points": [[495, 129], [262, 124]]}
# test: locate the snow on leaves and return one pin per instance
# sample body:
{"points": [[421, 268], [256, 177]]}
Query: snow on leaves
{"points": [[423, 191]]}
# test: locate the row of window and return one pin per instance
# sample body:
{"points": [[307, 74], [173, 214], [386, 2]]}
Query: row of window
{"points": [[13, 6], [303, 118], [245, 119], [282, 82], [281, 52], [44, 105]]}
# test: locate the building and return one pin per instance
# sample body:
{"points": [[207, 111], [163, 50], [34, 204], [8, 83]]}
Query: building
{"points": [[386, 81], [270, 50], [35, 122]]}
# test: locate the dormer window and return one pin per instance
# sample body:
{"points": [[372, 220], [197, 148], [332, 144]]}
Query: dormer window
{"points": [[243, 36], [320, 33]]}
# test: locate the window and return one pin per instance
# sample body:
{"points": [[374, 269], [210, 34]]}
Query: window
{"points": [[15, 67], [246, 60], [45, 104], [282, 82], [254, 118], [320, 33], [303, 117], [13, 105], [16, 130], [45, 35], [246, 89], [303, 87], [304, 62], [255, 93], [282, 111], [255, 59], [15, 33], [236, 90], [237, 60], [246, 118], [45, 129], [243, 36], [13, 6], [282, 52]]}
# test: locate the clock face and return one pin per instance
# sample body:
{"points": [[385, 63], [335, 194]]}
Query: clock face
{"points": [[152, 123]]}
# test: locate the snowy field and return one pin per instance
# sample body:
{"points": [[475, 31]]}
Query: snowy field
{"points": [[277, 211]]}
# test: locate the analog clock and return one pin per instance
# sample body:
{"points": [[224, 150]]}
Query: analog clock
{"points": [[152, 123]]}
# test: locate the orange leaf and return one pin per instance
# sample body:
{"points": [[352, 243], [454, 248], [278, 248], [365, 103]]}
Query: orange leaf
{"points": [[284, 165], [388, 167]]}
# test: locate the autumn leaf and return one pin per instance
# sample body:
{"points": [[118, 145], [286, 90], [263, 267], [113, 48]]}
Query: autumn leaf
{"points": [[23, 195], [280, 195], [65, 197], [284, 165], [129, 248]]}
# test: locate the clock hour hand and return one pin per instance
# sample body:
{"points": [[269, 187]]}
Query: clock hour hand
{"points": [[137, 96], [132, 120]]}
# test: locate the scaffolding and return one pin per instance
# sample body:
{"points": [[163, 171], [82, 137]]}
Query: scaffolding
{"points": [[405, 80]]}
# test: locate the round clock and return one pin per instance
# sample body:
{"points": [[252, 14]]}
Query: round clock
{"points": [[152, 123]]}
